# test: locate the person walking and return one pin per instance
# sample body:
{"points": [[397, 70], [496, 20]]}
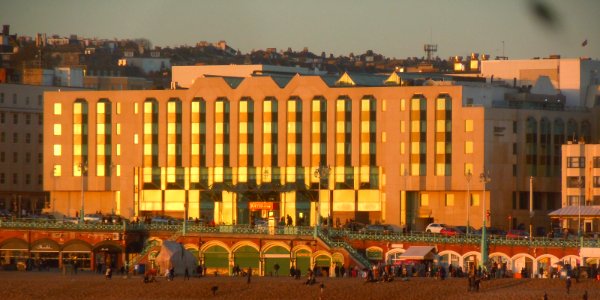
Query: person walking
{"points": [[186, 274], [249, 274], [568, 284]]}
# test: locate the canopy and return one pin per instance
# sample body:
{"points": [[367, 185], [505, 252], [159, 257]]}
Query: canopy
{"points": [[576, 211], [419, 253], [173, 254]]}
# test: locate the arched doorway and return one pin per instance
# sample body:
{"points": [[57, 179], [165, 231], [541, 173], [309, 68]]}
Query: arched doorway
{"points": [[77, 254], [45, 254], [14, 254], [393, 257], [450, 258], [107, 255], [215, 259], [500, 265], [322, 262], [303, 261], [247, 256], [277, 255], [523, 266]]}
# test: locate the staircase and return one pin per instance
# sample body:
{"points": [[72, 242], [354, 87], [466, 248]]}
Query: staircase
{"points": [[358, 258], [147, 247]]}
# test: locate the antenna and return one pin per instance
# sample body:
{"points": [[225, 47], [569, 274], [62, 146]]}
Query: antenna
{"points": [[430, 49]]}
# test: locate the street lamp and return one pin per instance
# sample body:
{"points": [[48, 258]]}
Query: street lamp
{"points": [[530, 207], [468, 176], [320, 173], [82, 167], [484, 178], [581, 184]]}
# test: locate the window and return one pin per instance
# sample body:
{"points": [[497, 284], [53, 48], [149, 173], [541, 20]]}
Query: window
{"points": [[40, 158], [1, 97], [40, 119], [596, 181], [15, 137], [39, 100], [28, 138], [596, 162], [57, 129], [1, 178], [40, 138], [27, 157], [57, 150], [575, 182], [449, 199], [1, 156], [57, 109], [468, 125], [27, 178], [27, 119], [424, 200], [2, 117], [575, 162], [2, 137], [15, 157], [15, 118]]}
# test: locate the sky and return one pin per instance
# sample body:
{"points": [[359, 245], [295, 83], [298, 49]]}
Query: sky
{"points": [[394, 28]]}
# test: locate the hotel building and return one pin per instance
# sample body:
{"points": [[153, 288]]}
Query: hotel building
{"points": [[231, 150]]}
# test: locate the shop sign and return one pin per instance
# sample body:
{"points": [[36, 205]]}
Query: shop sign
{"points": [[374, 255], [262, 205]]}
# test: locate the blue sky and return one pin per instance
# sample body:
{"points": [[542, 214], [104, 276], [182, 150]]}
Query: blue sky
{"points": [[394, 28]]}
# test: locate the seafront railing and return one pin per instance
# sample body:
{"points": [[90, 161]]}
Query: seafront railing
{"points": [[335, 235]]}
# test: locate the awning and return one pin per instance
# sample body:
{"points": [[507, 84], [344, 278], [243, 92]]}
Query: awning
{"points": [[419, 253], [590, 252], [574, 211]]}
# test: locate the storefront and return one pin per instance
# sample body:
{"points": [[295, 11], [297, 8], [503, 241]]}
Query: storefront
{"points": [[107, 254], [14, 254], [77, 254], [45, 254]]}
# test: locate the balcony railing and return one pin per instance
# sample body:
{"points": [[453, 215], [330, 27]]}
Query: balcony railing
{"points": [[334, 235]]}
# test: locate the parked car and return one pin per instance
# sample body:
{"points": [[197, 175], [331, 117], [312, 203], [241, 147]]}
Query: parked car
{"points": [[353, 226], [517, 234], [464, 229], [491, 231], [92, 218], [164, 220], [434, 227], [451, 231], [377, 228]]}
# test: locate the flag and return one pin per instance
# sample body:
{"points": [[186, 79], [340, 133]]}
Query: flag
{"points": [[584, 43]]}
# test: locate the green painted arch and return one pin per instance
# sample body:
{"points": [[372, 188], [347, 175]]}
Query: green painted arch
{"points": [[216, 256], [277, 250], [246, 256], [280, 256], [323, 260]]}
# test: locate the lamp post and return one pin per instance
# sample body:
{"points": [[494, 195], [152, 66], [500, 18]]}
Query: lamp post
{"points": [[82, 167], [468, 176], [320, 173], [530, 207], [581, 185], [484, 178]]}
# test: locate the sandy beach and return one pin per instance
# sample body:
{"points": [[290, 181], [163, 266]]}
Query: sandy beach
{"points": [[85, 285]]}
